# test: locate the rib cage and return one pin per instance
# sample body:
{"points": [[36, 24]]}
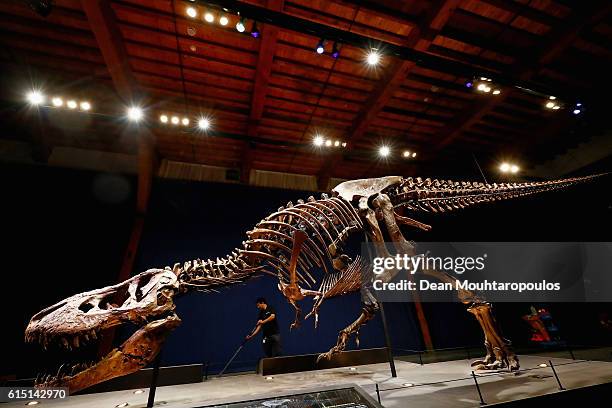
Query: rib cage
{"points": [[327, 222]]}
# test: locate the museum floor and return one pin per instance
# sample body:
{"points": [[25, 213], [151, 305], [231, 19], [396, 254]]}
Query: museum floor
{"points": [[437, 384]]}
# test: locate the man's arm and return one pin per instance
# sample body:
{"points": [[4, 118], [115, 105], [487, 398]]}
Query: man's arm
{"points": [[268, 319], [257, 329]]}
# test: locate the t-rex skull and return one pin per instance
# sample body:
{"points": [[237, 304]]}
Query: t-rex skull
{"points": [[145, 300]]}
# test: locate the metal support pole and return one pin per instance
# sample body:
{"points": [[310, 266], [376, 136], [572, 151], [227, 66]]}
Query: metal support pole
{"points": [[153, 386], [561, 388], [482, 401], [206, 371], [378, 393], [421, 357], [387, 340], [569, 348]]}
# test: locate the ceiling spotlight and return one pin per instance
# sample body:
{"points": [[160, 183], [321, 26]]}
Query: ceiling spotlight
{"points": [[203, 124], [192, 12], [35, 98], [343, 144], [384, 151], [185, 121], [240, 25], [335, 51], [505, 167], [209, 17], [163, 118], [85, 106], [318, 141], [337, 143], [373, 57], [556, 107], [255, 31], [552, 98], [469, 84], [577, 111], [175, 120], [223, 20], [413, 155], [328, 143], [481, 87], [496, 92], [487, 89], [550, 105], [71, 104], [514, 169], [134, 113], [578, 104], [406, 153], [57, 101], [321, 46]]}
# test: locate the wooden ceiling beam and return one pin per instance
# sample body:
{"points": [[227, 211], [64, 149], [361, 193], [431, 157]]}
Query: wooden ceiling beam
{"points": [[557, 41], [419, 39], [258, 98]]}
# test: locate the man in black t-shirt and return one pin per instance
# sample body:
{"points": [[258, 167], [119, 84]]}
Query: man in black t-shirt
{"points": [[268, 324]]}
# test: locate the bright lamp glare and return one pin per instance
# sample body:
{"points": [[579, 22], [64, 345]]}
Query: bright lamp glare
{"points": [[191, 12], [384, 151], [57, 101], [71, 104], [85, 106], [175, 120], [318, 141], [550, 105], [163, 118], [406, 153], [373, 57], [240, 27], [35, 98], [514, 169], [223, 20], [185, 121], [203, 123], [209, 17], [505, 167], [134, 114]]}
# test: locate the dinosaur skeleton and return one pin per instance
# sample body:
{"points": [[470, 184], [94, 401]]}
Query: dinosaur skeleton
{"points": [[290, 244]]}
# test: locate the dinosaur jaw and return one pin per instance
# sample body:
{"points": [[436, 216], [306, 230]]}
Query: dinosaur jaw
{"points": [[135, 353]]}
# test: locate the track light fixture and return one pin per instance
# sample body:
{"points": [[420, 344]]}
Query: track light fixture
{"points": [[35, 98], [335, 51], [209, 17], [255, 31], [321, 46], [241, 25], [223, 20], [373, 57]]}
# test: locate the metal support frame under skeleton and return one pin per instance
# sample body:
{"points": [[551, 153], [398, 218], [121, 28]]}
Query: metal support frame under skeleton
{"points": [[289, 244]]}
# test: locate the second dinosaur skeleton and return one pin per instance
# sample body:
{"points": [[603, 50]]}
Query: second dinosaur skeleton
{"points": [[292, 244]]}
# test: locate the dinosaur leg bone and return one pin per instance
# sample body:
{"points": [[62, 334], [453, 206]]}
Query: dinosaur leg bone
{"points": [[292, 291], [367, 313], [499, 350]]}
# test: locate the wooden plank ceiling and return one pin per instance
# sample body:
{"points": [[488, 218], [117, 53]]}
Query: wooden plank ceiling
{"points": [[268, 97]]}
